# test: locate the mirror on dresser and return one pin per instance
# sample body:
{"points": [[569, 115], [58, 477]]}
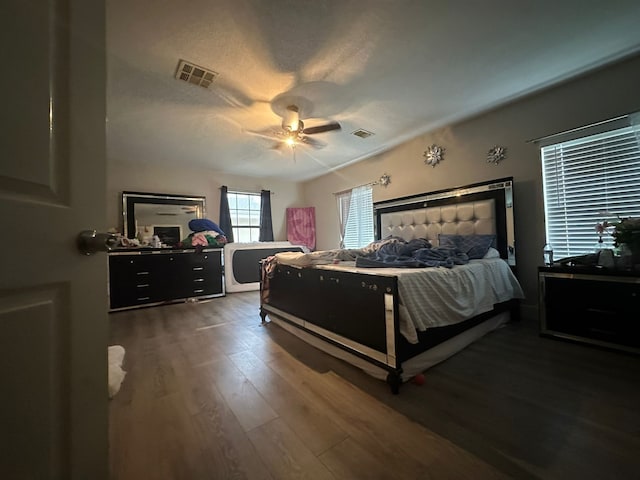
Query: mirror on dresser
{"points": [[167, 216]]}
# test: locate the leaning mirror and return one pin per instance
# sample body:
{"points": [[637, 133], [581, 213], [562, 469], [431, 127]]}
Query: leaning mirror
{"points": [[167, 216]]}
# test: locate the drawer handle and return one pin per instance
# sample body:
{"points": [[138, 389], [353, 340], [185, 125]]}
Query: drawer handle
{"points": [[198, 291], [142, 273], [195, 269], [143, 285], [141, 299], [198, 279]]}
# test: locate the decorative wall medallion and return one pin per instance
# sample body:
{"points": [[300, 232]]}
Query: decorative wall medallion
{"points": [[433, 155], [384, 180], [496, 155]]}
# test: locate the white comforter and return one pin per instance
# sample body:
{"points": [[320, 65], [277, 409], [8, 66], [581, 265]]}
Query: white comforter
{"points": [[434, 297]]}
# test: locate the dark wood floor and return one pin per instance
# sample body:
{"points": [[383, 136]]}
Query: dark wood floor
{"points": [[210, 393]]}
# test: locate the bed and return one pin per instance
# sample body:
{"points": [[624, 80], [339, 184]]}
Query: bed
{"points": [[242, 260], [391, 321]]}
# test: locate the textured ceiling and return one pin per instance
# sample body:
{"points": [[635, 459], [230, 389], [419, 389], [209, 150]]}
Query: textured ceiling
{"points": [[395, 68]]}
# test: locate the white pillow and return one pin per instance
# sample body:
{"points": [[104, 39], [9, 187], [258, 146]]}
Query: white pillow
{"points": [[492, 253]]}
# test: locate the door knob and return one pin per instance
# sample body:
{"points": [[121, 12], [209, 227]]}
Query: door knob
{"points": [[90, 242]]}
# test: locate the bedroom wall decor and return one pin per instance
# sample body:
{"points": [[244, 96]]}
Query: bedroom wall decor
{"points": [[384, 180], [496, 154], [433, 155]]}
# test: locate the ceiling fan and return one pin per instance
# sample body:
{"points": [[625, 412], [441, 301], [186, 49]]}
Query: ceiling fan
{"points": [[293, 131]]}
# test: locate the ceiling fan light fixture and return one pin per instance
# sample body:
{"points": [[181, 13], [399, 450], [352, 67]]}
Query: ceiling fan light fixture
{"points": [[293, 131], [291, 119]]}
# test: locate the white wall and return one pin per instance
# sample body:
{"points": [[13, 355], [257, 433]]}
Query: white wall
{"points": [[146, 177], [600, 95]]}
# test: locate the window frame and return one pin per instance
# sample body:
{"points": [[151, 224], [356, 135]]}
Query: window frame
{"points": [[251, 213], [359, 228], [589, 175]]}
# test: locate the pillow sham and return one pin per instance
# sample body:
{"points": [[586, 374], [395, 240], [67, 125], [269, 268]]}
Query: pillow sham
{"points": [[492, 253], [475, 246]]}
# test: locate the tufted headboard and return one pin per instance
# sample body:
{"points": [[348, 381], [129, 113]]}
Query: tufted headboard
{"points": [[461, 219], [484, 208]]}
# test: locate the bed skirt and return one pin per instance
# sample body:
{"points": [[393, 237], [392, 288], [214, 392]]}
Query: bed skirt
{"points": [[411, 367]]}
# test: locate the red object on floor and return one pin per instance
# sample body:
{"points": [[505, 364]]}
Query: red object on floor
{"points": [[418, 379]]}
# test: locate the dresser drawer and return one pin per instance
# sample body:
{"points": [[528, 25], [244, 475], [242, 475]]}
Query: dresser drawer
{"points": [[201, 274], [139, 295], [132, 270], [599, 309], [136, 279], [205, 260]]}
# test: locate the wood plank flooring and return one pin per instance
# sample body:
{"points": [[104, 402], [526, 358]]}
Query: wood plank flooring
{"points": [[211, 394]]}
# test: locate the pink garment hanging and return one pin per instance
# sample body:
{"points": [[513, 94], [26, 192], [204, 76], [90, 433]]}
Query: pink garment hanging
{"points": [[301, 226]]}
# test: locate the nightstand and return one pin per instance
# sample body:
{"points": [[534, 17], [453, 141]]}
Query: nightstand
{"points": [[591, 305]]}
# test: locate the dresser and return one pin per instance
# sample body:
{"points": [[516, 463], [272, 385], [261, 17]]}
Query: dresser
{"points": [[145, 277], [591, 305]]}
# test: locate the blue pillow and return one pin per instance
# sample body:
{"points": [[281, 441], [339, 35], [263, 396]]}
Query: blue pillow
{"points": [[475, 246], [203, 225]]}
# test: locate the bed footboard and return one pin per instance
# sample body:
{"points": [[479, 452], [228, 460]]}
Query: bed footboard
{"points": [[357, 312]]}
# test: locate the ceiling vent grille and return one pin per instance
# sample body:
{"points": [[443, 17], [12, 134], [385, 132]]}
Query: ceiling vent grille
{"points": [[362, 133], [195, 74]]}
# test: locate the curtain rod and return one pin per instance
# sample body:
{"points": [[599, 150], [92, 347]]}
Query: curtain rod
{"points": [[357, 186], [239, 190], [578, 129], [384, 180]]}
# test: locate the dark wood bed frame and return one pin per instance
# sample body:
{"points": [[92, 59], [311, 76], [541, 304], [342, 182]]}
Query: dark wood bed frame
{"points": [[358, 312]]}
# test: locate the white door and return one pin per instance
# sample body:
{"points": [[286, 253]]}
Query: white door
{"points": [[53, 302]]}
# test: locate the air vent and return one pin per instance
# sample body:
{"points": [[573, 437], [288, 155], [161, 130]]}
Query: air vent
{"points": [[195, 74], [362, 133]]}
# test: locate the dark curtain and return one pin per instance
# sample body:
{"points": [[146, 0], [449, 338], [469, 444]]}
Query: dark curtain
{"points": [[225, 215], [266, 227]]}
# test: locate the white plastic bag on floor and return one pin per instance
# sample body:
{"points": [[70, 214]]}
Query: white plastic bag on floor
{"points": [[116, 374]]}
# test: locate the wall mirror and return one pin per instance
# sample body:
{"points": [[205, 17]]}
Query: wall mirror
{"points": [[168, 216]]}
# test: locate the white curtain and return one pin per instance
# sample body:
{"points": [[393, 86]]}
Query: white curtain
{"points": [[344, 204]]}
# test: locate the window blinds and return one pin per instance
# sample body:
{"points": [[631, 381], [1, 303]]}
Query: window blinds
{"points": [[359, 227], [587, 180]]}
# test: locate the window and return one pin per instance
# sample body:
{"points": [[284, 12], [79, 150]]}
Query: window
{"points": [[587, 180], [245, 215], [355, 208]]}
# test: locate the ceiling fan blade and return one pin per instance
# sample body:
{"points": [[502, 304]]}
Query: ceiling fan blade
{"points": [[278, 146], [317, 144], [322, 128], [270, 134]]}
